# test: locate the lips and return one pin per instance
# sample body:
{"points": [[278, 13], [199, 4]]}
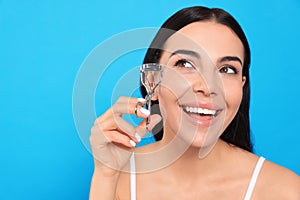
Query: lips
{"points": [[199, 110], [201, 114]]}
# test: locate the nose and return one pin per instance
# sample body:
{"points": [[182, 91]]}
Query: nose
{"points": [[207, 85]]}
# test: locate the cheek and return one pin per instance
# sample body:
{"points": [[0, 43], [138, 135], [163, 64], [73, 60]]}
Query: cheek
{"points": [[168, 101], [168, 104], [233, 91], [165, 95], [173, 87]]}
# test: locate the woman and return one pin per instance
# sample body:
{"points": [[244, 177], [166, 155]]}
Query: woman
{"points": [[204, 149]]}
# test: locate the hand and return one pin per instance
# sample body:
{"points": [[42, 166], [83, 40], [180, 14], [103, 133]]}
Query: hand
{"points": [[113, 139]]}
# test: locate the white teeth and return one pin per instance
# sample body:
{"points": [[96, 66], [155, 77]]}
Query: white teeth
{"points": [[200, 110]]}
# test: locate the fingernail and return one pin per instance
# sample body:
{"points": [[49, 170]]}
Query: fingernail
{"points": [[145, 111], [141, 99], [132, 143], [138, 137]]}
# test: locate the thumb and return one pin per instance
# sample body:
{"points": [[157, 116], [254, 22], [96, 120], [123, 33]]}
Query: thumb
{"points": [[141, 128]]}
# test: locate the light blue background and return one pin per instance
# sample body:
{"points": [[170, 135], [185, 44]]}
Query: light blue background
{"points": [[43, 44]]}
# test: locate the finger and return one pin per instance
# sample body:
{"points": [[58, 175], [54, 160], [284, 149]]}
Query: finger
{"points": [[100, 137], [97, 136], [124, 105], [141, 128], [130, 100], [107, 119], [117, 137], [127, 105], [124, 127], [141, 112]]}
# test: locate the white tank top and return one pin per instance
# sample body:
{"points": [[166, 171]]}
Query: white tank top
{"points": [[247, 196]]}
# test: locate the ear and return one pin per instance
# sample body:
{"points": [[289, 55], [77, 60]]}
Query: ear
{"points": [[243, 80]]}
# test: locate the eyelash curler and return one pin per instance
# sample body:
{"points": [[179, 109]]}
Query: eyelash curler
{"points": [[151, 75]]}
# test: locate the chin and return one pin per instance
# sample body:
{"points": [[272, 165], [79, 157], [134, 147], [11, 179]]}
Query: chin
{"points": [[198, 142], [205, 139]]}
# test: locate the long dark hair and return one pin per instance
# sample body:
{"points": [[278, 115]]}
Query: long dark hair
{"points": [[238, 131]]}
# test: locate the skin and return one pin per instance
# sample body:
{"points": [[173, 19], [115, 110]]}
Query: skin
{"points": [[226, 171], [217, 46]]}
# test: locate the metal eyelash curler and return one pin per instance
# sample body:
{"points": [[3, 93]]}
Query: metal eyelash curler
{"points": [[150, 77]]}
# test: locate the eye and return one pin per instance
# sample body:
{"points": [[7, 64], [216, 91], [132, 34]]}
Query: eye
{"points": [[227, 69], [184, 64]]}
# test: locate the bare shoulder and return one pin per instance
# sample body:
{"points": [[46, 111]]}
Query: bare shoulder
{"points": [[274, 181], [277, 182]]}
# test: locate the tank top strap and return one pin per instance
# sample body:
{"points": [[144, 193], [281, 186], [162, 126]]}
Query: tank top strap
{"points": [[254, 178], [132, 178]]}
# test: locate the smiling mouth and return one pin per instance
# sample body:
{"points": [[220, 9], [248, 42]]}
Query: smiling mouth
{"points": [[202, 114]]}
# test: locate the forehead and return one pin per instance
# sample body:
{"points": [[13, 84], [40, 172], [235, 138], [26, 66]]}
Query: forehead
{"points": [[215, 39]]}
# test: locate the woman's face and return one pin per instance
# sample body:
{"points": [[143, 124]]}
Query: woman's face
{"points": [[202, 85]]}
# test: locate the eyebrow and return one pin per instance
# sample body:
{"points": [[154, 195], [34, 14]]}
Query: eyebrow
{"points": [[186, 52], [231, 58]]}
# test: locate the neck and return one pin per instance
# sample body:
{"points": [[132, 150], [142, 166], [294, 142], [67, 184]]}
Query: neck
{"points": [[190, 167], [213, 157], [173, 155], [189, 157]]}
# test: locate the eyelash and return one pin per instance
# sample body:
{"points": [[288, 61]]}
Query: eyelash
{"points": [[183, 62], [235, 71]]}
